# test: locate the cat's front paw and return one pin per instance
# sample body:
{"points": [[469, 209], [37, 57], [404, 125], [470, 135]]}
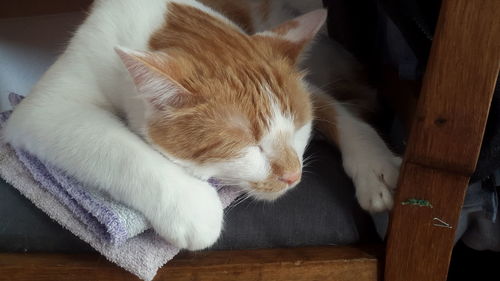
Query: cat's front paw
{"points": [[375, 182], [195, 221]]}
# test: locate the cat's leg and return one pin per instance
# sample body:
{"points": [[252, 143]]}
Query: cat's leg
{"points": [[95, 146], [373, 168]]}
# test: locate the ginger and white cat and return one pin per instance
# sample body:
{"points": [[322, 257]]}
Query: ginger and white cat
{"points": [[151, 98]]}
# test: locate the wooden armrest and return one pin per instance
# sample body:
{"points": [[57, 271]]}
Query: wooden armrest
{"points": [[308, 263], [445, 139], [457, 88]]}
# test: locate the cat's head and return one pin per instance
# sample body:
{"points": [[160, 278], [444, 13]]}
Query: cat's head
{"points": [[228, 105]]}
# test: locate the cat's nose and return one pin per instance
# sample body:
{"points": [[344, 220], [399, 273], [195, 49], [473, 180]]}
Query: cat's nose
{"points": [[290, 178]]}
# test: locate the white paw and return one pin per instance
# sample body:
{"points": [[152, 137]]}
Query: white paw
{"points": [[375, 182], [194, 222]]}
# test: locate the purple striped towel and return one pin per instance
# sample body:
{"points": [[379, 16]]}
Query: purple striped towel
{"points": [[118, 232]]}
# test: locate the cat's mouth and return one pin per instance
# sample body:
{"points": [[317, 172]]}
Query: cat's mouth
{"points": [[269, 190]]}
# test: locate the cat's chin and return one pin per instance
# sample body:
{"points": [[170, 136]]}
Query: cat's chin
{"points": [[268, 196], [265, 195]]}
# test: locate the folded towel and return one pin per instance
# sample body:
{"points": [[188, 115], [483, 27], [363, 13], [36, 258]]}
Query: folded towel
{"points": [[107, 219], [108, 226]]}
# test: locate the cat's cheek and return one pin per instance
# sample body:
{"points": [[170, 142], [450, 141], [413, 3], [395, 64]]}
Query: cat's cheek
{"points": [[301, 139], [253, 166]]}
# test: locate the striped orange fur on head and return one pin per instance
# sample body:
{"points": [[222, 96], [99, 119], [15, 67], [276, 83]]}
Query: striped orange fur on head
{"points": [[237, 11], [213, 91]]}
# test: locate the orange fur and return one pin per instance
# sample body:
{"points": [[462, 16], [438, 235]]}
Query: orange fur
{"points": [[225, 73], [237, 11]]}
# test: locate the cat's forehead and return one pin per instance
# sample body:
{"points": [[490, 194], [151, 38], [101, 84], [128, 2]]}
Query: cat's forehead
{"points": [[280, 127], [231, 70], [275, 115]]}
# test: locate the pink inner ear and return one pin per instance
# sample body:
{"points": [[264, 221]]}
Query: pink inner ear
{"points": [[157, 88], [304, 27]]}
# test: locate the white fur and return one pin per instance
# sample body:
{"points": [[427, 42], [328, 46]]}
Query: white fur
{"points": [[253, 164], [301, 139], [373, 168], [365, 155], [71, 119], [74, 119], [279, 126]]}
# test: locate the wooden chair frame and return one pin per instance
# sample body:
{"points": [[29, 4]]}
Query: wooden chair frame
{"points": [[448, 123]]}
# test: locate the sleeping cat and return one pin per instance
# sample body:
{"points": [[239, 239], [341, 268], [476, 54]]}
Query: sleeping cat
{"points": [[152, 98]]}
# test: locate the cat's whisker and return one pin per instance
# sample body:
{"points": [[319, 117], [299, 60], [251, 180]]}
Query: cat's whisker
{"points": [[310, 161], [234, 204], [310, 173], [239, 200], [311, 156]]}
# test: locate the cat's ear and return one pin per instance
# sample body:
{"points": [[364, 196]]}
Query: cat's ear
{"points": [[150, 74], [295, 34]]}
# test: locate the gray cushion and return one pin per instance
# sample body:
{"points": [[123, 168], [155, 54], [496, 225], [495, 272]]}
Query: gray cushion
{"points": [[321, 210], [23, 227]]}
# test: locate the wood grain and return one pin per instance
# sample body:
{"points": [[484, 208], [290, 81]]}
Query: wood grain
{"points": [[445, 139], [297, 264], [26, 8], [416, 248], [457, 86]]}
